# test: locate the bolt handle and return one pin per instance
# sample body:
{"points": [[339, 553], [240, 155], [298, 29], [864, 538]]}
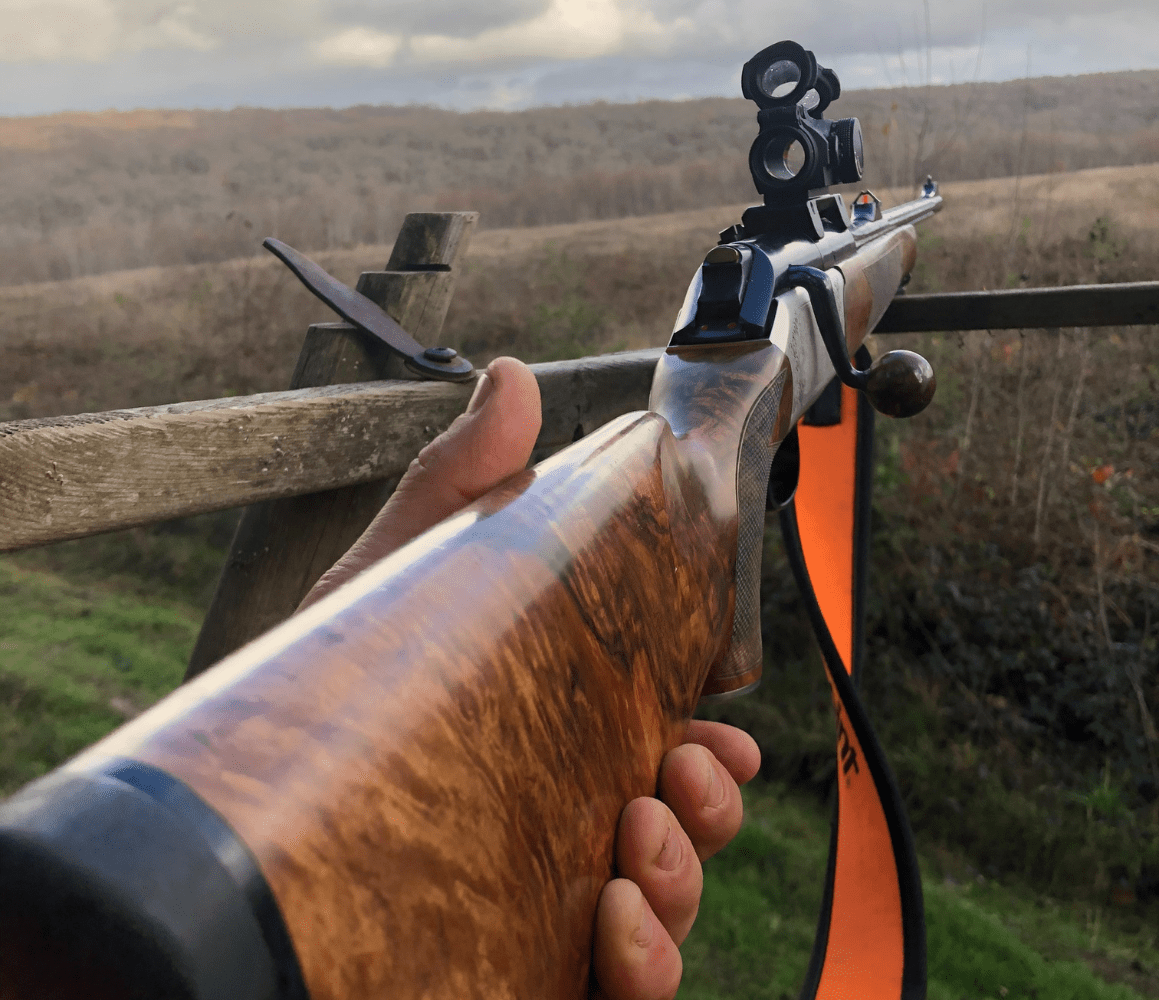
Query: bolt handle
{"points": [[898, 384]]}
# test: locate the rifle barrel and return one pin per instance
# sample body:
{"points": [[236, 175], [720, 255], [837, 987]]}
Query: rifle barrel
{"points": [[908, 214]]}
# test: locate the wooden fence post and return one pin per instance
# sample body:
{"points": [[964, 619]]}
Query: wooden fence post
{"points": [[282, 547]]}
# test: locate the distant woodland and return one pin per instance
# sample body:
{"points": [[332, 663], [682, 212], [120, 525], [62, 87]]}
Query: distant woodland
{"points": [[90, 193]]}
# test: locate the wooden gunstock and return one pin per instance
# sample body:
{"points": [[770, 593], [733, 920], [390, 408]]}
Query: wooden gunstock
{"points": [[428, 766]]}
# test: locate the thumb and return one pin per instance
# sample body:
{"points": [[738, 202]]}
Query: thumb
{"points": [[489, 442]]}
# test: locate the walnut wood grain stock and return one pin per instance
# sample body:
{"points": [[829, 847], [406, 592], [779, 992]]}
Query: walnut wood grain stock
{"points": [[429, 765], [872, 279]]}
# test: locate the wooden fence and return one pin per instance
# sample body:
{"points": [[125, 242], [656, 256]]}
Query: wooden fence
{"points": [[312, 465]]}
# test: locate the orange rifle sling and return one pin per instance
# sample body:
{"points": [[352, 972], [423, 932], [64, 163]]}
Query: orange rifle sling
{"points": [[870, 940]]}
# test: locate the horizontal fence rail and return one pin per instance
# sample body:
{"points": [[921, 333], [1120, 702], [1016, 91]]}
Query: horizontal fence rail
{"points": [[1133, 304], [67, 477]]}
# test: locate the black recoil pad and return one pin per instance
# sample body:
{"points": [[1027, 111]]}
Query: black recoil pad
{"points": [[107, 889]]}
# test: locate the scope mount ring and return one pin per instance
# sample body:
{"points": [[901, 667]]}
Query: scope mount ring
{"points": [[785, 56]]}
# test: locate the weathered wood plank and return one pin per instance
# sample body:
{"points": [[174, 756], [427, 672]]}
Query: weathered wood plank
{"points": [[66, 477], [282, 547]]}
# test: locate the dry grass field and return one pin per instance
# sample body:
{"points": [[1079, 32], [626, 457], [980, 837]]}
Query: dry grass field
{"points": [[91, 193], [164, 334], [1012, 636]]}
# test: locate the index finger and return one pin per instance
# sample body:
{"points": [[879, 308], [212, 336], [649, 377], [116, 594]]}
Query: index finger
{"points": [[733, 747]]}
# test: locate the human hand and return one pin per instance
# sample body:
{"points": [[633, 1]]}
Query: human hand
{"points": [[643, 916]]}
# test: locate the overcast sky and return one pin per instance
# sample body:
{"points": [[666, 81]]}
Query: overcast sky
{"points": [[93, 54]]}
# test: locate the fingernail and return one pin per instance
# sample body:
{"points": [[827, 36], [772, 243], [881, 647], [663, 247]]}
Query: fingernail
{"points": [[642, 935], [481, 394], [713, 788], [669, 856]]}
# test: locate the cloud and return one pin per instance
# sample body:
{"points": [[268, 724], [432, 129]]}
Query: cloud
{"points": [[567, 29], [453, 18], [358, 47], [84, 31], [95, 30], [38, 31], [507, 95], [514, 53], [169, 29]]}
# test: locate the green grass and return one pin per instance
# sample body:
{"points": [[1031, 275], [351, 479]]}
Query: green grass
{"points": [[759, 910], [81, 650], [77, 660], [178, 561], [762, 893]]}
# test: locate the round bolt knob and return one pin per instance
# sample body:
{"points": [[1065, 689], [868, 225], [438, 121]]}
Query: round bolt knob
{"points": [[900, 383], [445, 355]]}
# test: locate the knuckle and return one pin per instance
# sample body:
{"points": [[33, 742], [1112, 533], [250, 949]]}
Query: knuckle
{"points": [[717, 831], [675, 895], [679, 769], [643, 830]]}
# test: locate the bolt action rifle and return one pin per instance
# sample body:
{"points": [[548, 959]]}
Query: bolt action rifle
{"points": [[411, 789]]}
